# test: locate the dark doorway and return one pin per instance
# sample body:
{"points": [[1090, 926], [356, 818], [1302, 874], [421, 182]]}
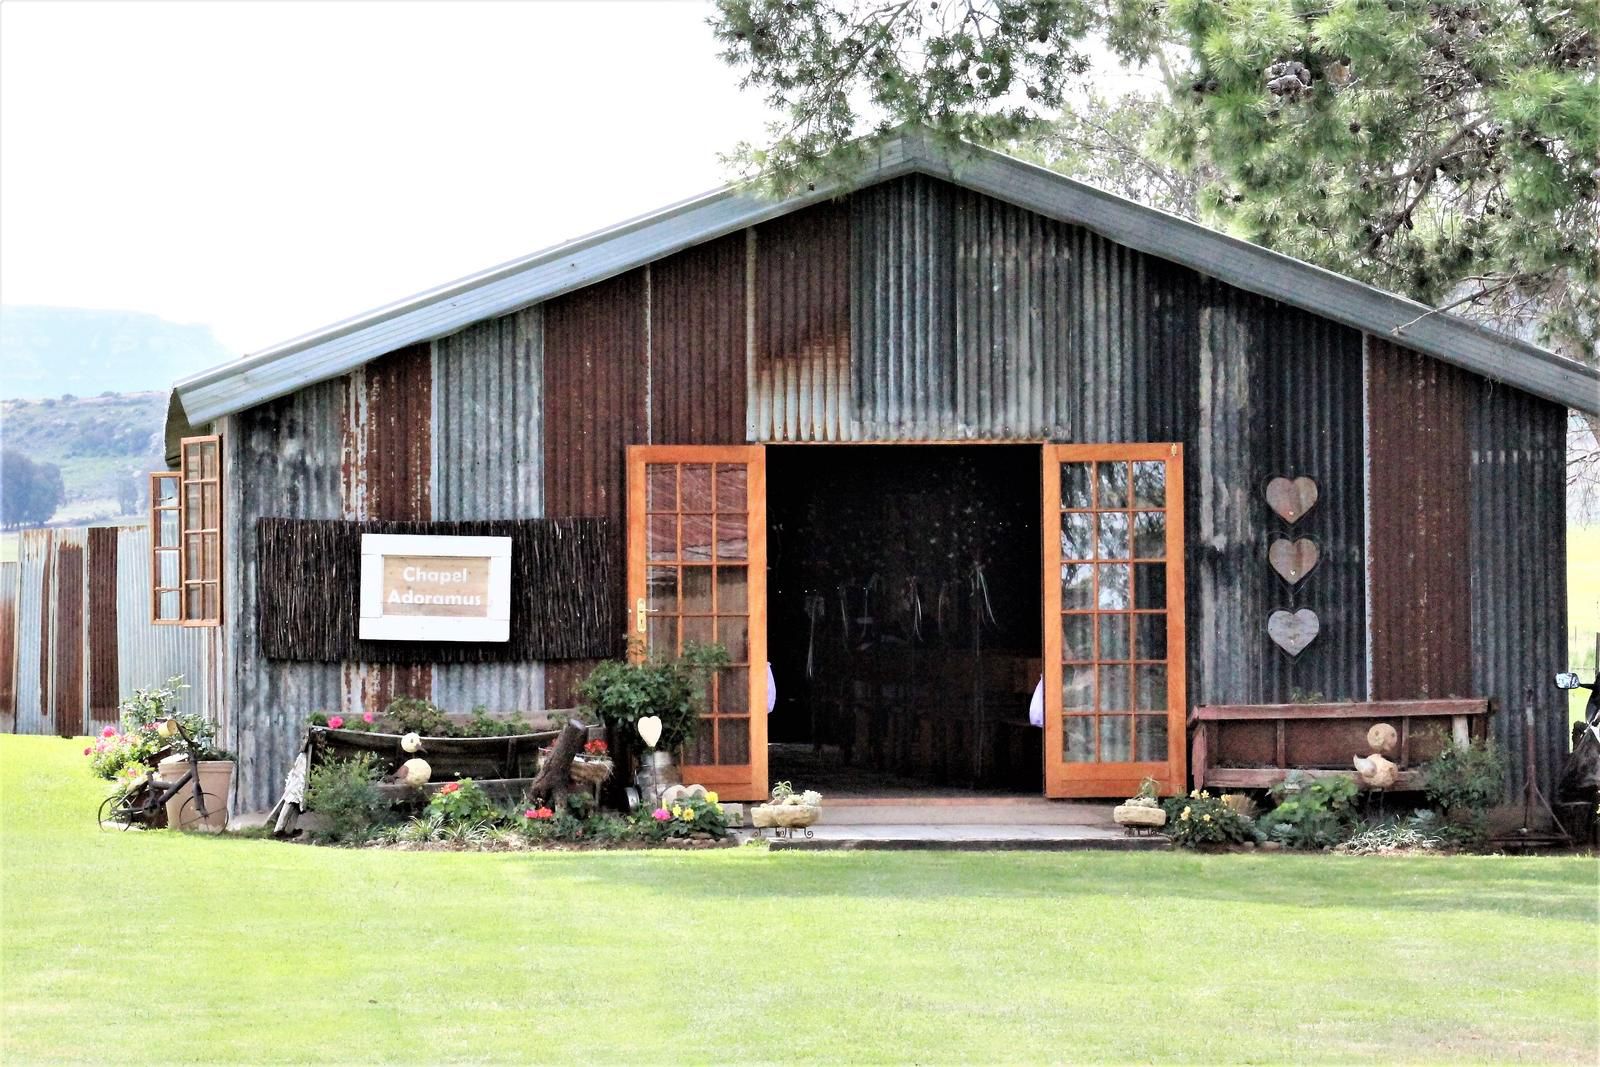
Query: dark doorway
{"points": [[904, 610]]}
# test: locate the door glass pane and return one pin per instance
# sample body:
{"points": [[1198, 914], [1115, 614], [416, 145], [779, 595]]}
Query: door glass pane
{"points": [[731, 586], [167, 492], [167, 569], [1077, 637], [731, 492], [1116, 738], [695, 545], [1149, 484], [1150, 636], [1114, 695], [1077, 738], [698, 629], [1077, 689], [733, 537], [662, 589], [697, 591], [1077, 585], [662, 638], [1150, 684], [1113, 586], [1114, 636], [733, 633], [196, 601], [213, 600], [1150, 534], [1114, 535], [662, 538], [1112, 484], [661, 487], [167, 605], [1075, 485], [1075, 535], [733, 691], [1149, 585], [694, 485], [733, 741], [168, 531], [702, 750], [1151, 738]]}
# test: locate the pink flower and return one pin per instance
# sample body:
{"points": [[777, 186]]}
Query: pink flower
{"points": [[336, 722], [367, 716], [109, 731], [450, 787], [661, 815], [86, 751], [539, 813]]}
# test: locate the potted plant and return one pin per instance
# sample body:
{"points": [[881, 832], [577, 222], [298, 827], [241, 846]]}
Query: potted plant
{"points": [[787, 809], [142, 743], [667, 696], [1141, 811]]}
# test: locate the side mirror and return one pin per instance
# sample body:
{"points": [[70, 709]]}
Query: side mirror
{"points": [[1568, 680]]}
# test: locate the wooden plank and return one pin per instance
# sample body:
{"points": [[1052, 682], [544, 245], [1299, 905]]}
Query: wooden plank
{"points": [[1376, 709], [1266, 777]]}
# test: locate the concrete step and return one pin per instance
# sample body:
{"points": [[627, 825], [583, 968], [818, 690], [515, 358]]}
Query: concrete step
{"points": [[975, 811], [967, 838]]}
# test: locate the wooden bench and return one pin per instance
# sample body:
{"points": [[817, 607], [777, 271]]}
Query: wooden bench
{"points": [[1254, 746]]}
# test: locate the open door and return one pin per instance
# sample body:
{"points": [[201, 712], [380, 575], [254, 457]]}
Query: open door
{"points": [[697, 571], [1115, 703]]}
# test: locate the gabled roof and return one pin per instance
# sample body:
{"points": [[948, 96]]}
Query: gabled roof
{"points": [[343, 346]]}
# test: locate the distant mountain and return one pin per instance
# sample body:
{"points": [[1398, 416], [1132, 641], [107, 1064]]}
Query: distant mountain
{"points": [[51, 351], [105, 446]]}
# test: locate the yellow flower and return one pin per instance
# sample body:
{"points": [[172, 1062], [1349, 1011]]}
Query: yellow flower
{"points": [[1185, 814], [677, 812], [1205, 818], [711, 798], [1205, 795]]}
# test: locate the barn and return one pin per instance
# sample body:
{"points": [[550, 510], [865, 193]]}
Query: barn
{"points": [[952, 438]]}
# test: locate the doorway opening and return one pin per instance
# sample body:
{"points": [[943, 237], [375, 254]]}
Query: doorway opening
{"points": [[904, 618]]}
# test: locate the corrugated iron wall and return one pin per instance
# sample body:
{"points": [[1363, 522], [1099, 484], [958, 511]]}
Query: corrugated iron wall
{"points": [[1420, 526], [8, 647], [76, 620], [488, 463], [697, 344], [1518, 549]]}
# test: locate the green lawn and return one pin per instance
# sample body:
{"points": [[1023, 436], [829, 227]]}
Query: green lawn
{"points": [[271, 952]]}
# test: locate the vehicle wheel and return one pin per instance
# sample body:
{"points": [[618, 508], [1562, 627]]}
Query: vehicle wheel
{"points": [[189, 817], [114, 814]]}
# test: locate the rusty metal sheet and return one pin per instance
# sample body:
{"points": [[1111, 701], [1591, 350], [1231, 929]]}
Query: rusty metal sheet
{"points": [[392, 448], [102, 650], [698, 343], [66, 689], [8, 646], [1419, 525]]}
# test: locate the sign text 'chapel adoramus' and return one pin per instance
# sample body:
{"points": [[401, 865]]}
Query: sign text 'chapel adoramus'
{"points": [[417, 587]]}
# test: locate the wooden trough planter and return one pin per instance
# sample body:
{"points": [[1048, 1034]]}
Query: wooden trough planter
{"points": [[1255, 746], [507, 768]]}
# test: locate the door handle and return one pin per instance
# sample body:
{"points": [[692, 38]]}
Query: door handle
{"points": [[639, 614]]}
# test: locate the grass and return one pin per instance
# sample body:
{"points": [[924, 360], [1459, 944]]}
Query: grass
{"points": [[271, 952]]}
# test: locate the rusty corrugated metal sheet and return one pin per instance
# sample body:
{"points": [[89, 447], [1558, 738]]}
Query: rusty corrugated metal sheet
{"points": [[594, 407], [1518, 548], [8, 647], [488, 463], [66, 652], [1419, 528], [698, 344], [799, 381], [102, 650]]}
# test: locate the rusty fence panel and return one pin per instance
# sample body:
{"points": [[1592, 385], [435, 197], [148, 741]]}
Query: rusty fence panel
{"points": [[8, 647]]}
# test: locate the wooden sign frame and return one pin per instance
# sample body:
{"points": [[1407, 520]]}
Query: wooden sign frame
{"points": [[376, 625]]}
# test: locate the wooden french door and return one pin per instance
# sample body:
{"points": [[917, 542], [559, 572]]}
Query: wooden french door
{"points": [[1115, 705], [697, 571]]}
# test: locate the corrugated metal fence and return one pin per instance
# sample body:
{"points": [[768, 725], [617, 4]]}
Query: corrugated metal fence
{"points": [[75, 635]]}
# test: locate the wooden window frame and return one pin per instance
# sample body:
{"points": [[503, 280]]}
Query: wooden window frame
{"points": [[208, 490]]}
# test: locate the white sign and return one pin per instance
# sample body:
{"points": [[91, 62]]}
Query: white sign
{"points": [[417, 587]]}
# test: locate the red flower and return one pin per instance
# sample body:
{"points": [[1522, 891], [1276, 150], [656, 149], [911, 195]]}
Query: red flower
{"points": [[595, 748], [450, 787], [540, 813]]}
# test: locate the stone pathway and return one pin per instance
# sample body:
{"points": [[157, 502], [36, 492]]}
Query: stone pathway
{"points": [[965, 838]]}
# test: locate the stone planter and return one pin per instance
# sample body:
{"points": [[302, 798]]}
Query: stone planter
{"points": [[1139, 816], [784, 816]]}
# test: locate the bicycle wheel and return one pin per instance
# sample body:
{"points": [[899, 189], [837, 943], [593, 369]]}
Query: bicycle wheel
{"points": [[189, 817], [115, 814]]}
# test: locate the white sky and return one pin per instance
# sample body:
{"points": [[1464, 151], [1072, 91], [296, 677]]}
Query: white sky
{"points": [[269, 168]]}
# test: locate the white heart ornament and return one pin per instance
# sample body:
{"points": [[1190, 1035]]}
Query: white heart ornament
{"points": [[649, 730]]}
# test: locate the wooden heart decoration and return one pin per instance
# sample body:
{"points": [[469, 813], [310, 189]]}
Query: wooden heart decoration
{"points": [[649, 728], [1292, 632], [1293, 560], [1291, 500]]}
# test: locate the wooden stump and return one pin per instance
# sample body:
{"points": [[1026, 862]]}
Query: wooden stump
{"points": [[550, 785]]}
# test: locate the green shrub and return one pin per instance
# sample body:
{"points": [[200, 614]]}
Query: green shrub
{"points": [[116, 755], [1469, 779], [463, 803], [345, 793], [1202, 819], [413, 715], [621, 692], [1311, 812]]}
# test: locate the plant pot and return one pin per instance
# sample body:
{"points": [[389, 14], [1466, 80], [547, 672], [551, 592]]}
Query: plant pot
{"points": [[786, 816], [216, 780], [1139, 815], [656, 772]]}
